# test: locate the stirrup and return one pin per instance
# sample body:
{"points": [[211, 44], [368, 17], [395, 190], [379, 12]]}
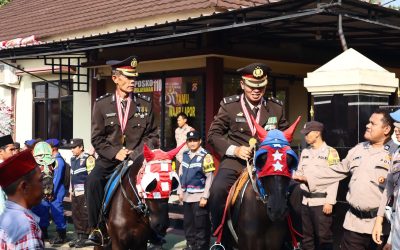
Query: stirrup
{"points": [[101, 234], [216, 245]]}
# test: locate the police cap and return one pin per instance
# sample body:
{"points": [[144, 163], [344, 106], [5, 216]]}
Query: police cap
{"points": [[312, 126], [255, 75], [396, 117], [127, 66], [193, 135], [75, 142]]}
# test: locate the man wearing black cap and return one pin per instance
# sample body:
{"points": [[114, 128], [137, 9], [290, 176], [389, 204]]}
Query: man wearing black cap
{"points": [[232, 128], [7, 148], [80, 164], [196, 175], [121, 123], [367, 163], [316, 211]]}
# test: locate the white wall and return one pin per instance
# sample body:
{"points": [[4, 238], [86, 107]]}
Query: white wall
{"points": [[23, 121], [5, 94], [24, 106], [82, 117]]}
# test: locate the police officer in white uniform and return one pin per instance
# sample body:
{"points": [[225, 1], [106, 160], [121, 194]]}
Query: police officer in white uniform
{"points": [[368, 164]]}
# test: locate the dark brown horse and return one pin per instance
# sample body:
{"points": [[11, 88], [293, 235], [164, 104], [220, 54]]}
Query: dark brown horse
{"points": [[138, 212], [259, 217]]}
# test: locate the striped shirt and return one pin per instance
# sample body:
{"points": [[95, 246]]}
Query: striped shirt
{"points": [[19, 229]]}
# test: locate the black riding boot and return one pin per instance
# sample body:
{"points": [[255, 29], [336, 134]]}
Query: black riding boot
{"points": [[73, 242], [60, 238], [81, 242]]}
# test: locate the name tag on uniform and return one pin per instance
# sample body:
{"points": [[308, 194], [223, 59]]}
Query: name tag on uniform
{"points": [[322, 157], [240, 119], [111, 114]]}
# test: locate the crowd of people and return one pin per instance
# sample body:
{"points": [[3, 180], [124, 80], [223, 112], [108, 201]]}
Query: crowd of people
{"points": [[122, 122]]}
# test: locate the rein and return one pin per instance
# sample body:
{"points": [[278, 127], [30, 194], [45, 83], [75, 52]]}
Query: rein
{"points": [[260, 195], [256, 183], [141, 207]]}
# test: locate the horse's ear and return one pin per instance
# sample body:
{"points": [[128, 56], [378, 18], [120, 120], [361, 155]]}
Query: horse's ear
{"points": [[174, 181], [173, 152], [288, 133], [148, 154], [261, 132], [151, 186]]}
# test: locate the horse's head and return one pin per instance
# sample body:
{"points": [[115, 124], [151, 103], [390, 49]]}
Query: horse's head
{"points": [[274, 161], [155, 181], [43, 157]]}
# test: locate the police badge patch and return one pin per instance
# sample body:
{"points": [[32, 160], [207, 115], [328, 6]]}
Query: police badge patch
{"points": [[208, 163], [271, 123], [90, 163]]}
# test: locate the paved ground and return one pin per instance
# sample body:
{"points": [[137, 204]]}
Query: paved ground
{"points": [[175, 236], [175, 239]]}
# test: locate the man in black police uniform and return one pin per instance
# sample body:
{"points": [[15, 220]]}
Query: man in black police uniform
{"points": [[81, 165], [232, 128], [121, 123]]}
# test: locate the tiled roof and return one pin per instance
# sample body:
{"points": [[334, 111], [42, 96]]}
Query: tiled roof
{"points": [[43, 18]]}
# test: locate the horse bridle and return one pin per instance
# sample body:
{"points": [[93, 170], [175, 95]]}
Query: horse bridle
{"points": [[255, 182], [141, 207]]}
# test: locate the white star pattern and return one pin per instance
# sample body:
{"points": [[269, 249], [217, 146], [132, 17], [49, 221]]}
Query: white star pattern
{"points": [[277, 155], [278, 166]]}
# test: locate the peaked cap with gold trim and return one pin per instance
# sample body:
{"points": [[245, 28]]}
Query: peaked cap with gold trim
{"points": [[255, 75], [127, 66]]}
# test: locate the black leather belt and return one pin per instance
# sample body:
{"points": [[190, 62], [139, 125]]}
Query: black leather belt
{"points": [[364, 214], [314, 195]]}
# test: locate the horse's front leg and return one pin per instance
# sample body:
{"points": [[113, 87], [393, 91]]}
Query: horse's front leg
{"points": [[275, 235]]}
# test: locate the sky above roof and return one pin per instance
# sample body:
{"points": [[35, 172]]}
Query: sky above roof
{"points": [[395, 3]]}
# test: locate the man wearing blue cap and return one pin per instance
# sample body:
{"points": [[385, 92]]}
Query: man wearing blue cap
{"points": [[56, 206], [30, 144]]}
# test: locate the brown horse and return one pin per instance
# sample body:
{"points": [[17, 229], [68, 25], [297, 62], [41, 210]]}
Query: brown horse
{"points": [[258, 219], [138, 213]]}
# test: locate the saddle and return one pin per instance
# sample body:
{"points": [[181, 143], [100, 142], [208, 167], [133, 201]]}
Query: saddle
{"points": [[236, 190], [113, 183], [238, 186]]}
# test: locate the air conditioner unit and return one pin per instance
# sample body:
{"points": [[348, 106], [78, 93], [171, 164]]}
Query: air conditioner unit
{"points": [[7, 75]]}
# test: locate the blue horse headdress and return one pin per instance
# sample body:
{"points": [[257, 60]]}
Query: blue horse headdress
{"points": [[276, 145]]}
